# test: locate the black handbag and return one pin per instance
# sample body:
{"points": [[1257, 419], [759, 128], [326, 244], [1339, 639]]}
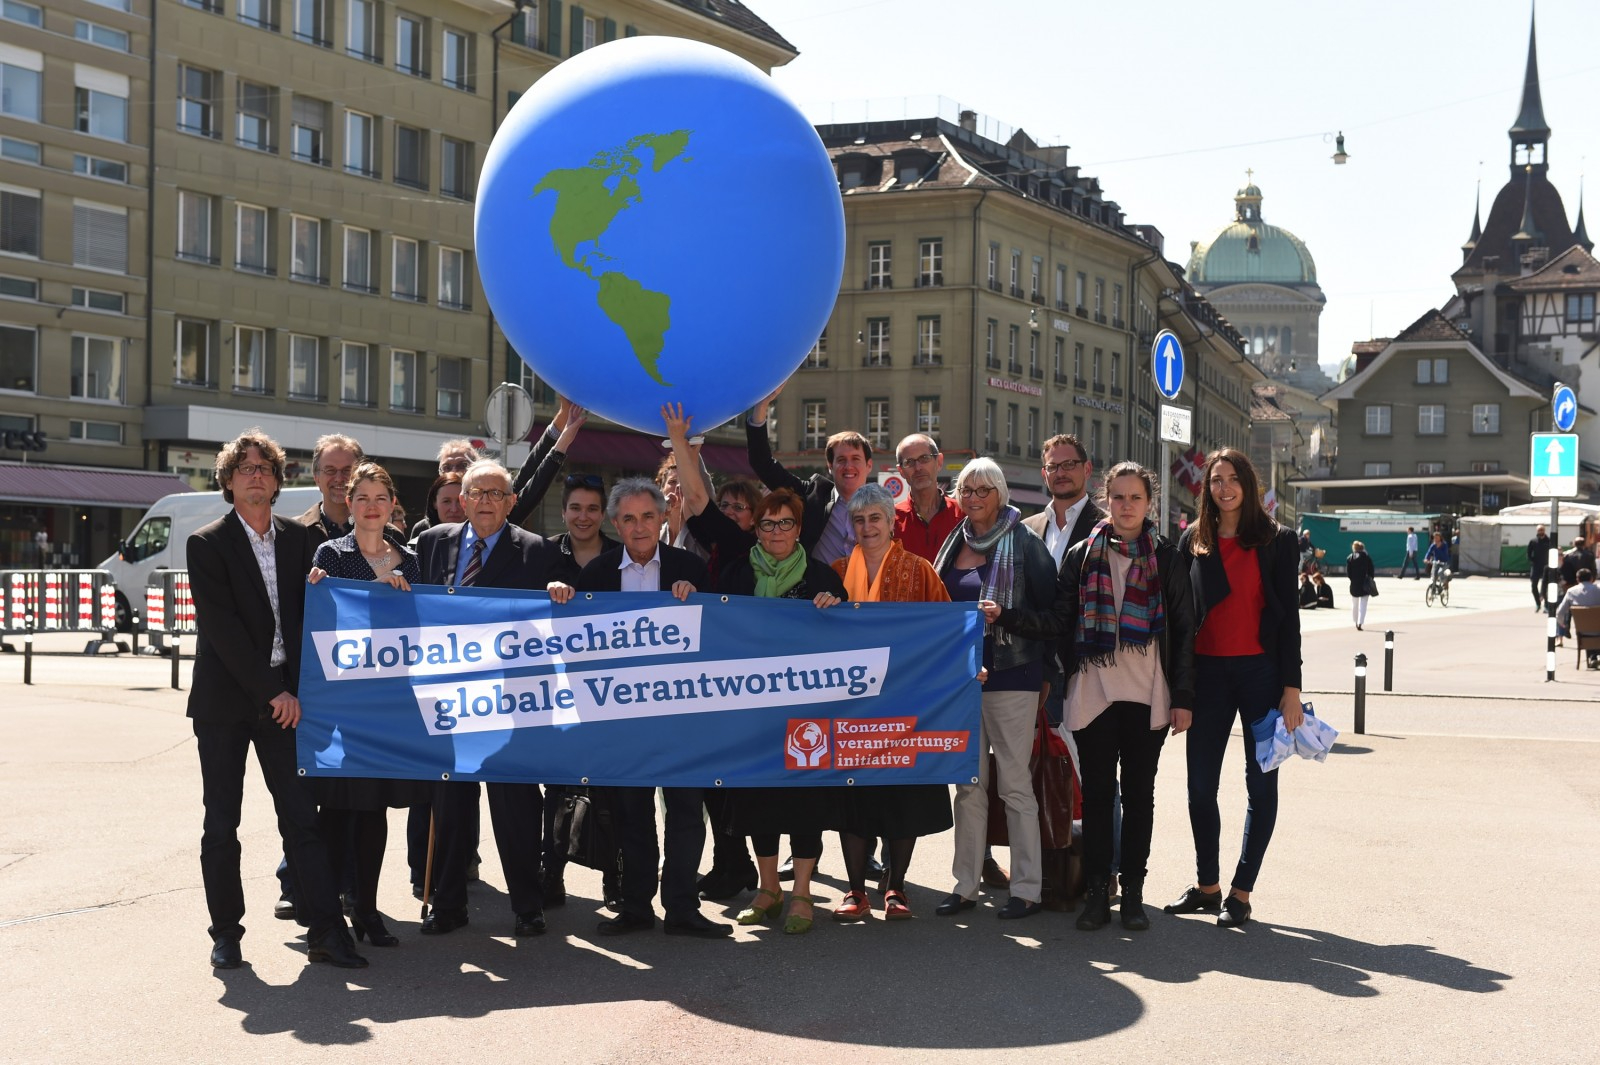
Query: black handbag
{"points": [[584, 829]]}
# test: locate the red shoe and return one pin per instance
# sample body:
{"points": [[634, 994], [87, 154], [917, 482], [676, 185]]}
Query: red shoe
{"points": [[855, 907], [895, 906]]}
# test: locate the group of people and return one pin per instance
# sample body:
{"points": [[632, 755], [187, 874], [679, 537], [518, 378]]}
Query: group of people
{"points": [[1095, 624]]}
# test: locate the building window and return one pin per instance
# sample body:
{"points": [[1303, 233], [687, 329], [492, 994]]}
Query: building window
{"points": [[1033, 431], [453, 279], [1116, 306], [928, 415], [100, 236], [455, 168], [1114, 444], [457, 60], [1378, 420], [1034, 369], [1077, 429], [27, 14], [94, 432], [19, 349], [1430, 419], [452, 391], [1580, 308], [1036, 282], [1116, 373], [358, 272], [250, 359], [815, 416], [1099, 299], [877, 342], [19, 222], [1058, 422], [1430, 468], [931, 264], [213, 6], [410, 157], [255, 116], [254, 235], [991, 357], [197, 101], [994, 266], [1375, 469], [311, 22], [879, 261], [1099, 355], [928, 340], [20, 150], [195, 228], [305, 367], [360, 147], [1433, 371], [1094, 442], [403, 381], [260, 13], [1078, 285], [355, 375], [101, 112], [19, 288], [1014, 349], [195, 356], [1061, 288], [1012, 447], [361, 38], [525, 30], [306, 264], [406, 280], [1058, 360], [93, 299], [590, 36], [1077, 365], [410, 46], [878, 423], [1486, 417], [21, 73], [1486, 466], [817, 357], [308, 131]]}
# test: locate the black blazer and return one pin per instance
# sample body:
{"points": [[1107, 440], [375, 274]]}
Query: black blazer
{"points": [[1358, 567], [1088, 518], [604, 573], [1280, 622], [520, 559], [233, 675], [817, 492]]}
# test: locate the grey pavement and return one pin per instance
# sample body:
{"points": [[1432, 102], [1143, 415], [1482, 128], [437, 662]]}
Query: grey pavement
{"points": [[1427, 898]]}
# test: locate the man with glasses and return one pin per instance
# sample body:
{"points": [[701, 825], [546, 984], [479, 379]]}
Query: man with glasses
{"points": [[825, 532], [332, 462], [1070, 517], [247, 572], [926, 519], [486, 551]]}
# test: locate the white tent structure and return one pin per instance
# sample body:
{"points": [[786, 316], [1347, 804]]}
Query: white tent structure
{"points": [[1497, 543]]}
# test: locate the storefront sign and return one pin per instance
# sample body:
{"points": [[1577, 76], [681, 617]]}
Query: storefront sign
{"points": [[1015, 386], [1098, 404]]}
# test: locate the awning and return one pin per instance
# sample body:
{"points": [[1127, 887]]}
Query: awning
{"points": [[85, 486], [641, 454]]}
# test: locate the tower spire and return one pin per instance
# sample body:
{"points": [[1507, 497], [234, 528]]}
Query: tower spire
{"points": [[1530, 132], [1477, 225], [1579, 233]]}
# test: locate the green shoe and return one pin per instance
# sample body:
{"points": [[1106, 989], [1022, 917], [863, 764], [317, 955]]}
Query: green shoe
{"points": [[794, 924], [756, 914]]}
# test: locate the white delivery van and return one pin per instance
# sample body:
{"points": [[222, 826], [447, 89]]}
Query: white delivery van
{"points": [[161, 539]]}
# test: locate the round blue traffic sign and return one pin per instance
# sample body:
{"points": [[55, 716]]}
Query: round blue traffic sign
{"points": [[1166, 364], [1564, 408]]}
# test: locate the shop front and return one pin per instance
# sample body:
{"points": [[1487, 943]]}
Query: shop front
{"points": [[71, 517]]}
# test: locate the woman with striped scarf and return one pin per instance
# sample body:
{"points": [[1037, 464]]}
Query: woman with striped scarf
{"points": [[1126, 596], [991, 557]]}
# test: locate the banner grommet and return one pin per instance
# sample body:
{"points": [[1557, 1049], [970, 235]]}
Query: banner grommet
{"points": [[302, 772], [718, 783], [444, 776], [583, 780]]}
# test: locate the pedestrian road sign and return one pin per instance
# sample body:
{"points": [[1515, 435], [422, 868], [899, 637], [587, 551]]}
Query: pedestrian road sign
{"points": [[1553, 467], [1166, 364], [1564, 408]]}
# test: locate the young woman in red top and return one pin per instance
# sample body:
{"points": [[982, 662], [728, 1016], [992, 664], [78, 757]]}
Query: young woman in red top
{"points": [[1247, 662]]}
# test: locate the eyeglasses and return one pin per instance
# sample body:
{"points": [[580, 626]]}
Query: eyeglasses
{"points": [[585, 480], [496, 494], [454, 466], [767, 525], [733, 505], [1067, 466], [250, 469], [919, 461], [337, 471], [982, 492]]}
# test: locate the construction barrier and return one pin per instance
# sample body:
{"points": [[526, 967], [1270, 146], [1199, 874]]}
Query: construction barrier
{"points": [[34, 601], [169, 613]]}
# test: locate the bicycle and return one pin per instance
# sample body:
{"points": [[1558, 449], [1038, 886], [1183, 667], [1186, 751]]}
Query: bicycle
{"points": [[1438, 586]]}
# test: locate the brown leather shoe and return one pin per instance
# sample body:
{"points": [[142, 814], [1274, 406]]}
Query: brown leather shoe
{"points": [[994, 876]]}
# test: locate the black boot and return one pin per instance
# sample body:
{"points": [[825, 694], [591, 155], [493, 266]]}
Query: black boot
{"points": [[1096, 906], [1134, 919]]}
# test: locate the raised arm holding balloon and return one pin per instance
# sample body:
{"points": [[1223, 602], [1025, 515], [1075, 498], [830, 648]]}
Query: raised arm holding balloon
{"points": [[827, 533]]}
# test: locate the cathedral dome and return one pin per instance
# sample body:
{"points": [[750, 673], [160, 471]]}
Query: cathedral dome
{"points": [[1250, 250]]}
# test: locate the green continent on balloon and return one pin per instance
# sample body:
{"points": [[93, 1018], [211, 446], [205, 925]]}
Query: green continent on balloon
{"points": [[644, 316], [584, 208]]}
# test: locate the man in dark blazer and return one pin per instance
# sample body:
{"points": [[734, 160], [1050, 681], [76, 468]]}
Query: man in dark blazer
{"points": [[488, 552], [643, 563], [247, 573], [825, 529]]}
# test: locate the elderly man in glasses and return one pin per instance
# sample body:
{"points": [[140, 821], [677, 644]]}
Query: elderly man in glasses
{"points": [[927, 517]]}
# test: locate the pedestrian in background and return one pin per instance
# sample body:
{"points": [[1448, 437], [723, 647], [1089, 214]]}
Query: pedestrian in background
{"points": [[1411, 555], [1363, 584]]}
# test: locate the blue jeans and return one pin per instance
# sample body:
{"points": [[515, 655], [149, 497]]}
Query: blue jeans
{"points": [[1247, 687], [1411, 561]]}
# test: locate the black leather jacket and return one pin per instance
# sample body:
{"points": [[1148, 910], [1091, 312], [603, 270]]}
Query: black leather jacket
{"points": [[1177, 636]]}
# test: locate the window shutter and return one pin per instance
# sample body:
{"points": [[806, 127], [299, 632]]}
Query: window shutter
{"points": [[577, 30], [309, 113], [610, 30], [519, 30], [552, 38], [631, 31], [99, 238], [511, 99], [19, 223]]}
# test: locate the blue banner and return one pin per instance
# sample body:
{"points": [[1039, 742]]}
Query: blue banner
{"points": [[636, 688]]}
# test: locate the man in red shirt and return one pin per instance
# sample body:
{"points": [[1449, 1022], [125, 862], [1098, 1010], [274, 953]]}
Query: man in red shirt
{"points": [[923, 522]]}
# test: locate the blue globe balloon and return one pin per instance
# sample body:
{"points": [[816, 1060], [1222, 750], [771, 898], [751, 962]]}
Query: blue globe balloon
{"points": [[657, 223]]}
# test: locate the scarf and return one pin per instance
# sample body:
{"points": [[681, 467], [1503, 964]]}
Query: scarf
{"points": [[1100, 629], [775, 577], [856, 584], [1005, 582]]}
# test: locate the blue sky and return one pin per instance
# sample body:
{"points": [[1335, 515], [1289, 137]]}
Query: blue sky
{"points": [[1168, 103]]}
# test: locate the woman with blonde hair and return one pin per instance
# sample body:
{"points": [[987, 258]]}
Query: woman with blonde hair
{"points": [[1363, 583]]}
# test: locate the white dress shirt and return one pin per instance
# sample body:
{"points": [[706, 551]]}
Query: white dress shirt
{"points": [[265, 548], [640, 576], [1059, 537]]}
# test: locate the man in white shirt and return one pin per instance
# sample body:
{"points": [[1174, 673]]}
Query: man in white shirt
{"points": [[1411, 555], [1070, 517]]}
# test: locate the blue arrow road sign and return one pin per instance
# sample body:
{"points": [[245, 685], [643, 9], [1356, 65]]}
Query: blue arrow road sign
{"points": [[1553, 465], [1166, 364], [1564, 405]]}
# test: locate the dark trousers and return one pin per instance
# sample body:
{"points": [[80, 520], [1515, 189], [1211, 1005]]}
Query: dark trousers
{"points": [[1246, 687], [685, 839], [1120, 736], [1411, 561], [224, 747], [356, 840], [517, 813], [1537, 578], [729, 852], [417, 819], [801, 844]]}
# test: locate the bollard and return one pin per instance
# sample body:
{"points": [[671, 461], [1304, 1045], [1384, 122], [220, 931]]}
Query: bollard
{"points": [[135, 633], [1388, 661], [177, 656], [1361, 695], [27, 652]]}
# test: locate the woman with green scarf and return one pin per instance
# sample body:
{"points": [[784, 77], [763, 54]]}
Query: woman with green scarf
{"points": [[778, 568], [1124, 594], [992, 557]]}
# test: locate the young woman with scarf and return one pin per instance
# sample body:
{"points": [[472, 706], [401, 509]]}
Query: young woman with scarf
{"points": [[1124, 593], [991, 557]]}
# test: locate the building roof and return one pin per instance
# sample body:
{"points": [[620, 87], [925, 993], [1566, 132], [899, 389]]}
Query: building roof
{"points": [[1248, 249], [1432, 326], [1431, 329], [1574, 268], [736, 16]]}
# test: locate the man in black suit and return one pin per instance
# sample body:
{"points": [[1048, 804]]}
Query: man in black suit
{"points": [[643, 563], [488, 552], [247, 572]]}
